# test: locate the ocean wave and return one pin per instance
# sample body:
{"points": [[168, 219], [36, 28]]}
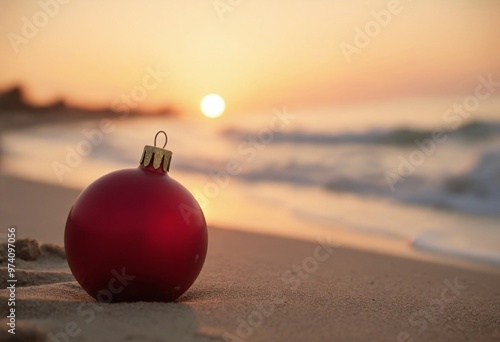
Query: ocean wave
{"points": [[476, 191], [478, 248], [474, 130]]}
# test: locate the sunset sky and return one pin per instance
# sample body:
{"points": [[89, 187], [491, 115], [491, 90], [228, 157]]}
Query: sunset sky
{"points": [[256, 54]]}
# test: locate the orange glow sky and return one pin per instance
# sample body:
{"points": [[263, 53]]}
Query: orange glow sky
{"points": [[262, 54]]}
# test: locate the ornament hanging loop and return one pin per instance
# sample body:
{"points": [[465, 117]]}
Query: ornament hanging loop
{"points": [[166, 138], [157, 156]]}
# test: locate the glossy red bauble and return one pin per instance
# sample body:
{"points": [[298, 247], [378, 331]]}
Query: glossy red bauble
{"points": [[136, 235]]}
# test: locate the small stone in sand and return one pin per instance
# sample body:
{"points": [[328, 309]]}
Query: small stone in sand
{"points": [[53, 250], [28, 249]]}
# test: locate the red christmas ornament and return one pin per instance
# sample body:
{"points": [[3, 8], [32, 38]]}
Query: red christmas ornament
{"points": [[136, 234]]}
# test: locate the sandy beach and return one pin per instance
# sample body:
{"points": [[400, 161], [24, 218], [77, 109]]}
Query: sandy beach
{"points": [[252, 288]]}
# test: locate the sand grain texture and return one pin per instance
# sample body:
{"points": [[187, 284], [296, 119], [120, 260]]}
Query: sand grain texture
{"points": [[240, 295]]}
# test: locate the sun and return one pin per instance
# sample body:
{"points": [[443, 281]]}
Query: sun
{"points": [[212, 105]]}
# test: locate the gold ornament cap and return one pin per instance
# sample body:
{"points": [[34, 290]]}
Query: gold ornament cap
{"points": [[158, 155]]}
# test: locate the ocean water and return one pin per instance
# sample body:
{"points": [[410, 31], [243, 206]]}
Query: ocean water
{"points": [[429, 180]]}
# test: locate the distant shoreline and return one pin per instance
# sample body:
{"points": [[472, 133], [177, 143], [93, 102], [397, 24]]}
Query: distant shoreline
{"points": [[16, 120], [18, 113]]}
